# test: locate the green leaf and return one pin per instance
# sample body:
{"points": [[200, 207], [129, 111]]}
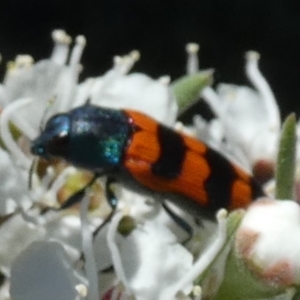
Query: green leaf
{"points": [[296, 296], [285, 169], [233, 223], [238, 281], [187, 88], [240, 284]]}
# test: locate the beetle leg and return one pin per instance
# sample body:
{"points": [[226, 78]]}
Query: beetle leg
{"points": [[112, 201], [77, 197], [74, 199], [185, 226]]}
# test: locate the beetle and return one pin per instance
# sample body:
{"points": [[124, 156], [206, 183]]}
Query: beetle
{"points": [[146, 156]]}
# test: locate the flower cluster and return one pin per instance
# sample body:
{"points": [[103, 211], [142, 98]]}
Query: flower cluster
{"points": [[48, 253]]}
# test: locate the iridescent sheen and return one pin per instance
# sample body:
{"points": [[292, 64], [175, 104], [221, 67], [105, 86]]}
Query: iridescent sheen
{"points": [[89, 136]]}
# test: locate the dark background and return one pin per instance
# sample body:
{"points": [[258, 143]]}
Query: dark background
{"points": [[160, 29]]}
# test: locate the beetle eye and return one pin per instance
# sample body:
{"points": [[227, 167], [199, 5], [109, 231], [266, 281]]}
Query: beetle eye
{"points": [[37, 149], [40, 150]]}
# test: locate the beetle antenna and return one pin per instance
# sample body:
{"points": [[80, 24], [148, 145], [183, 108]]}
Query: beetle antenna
{"points": [[49, 105], [33, 165]]}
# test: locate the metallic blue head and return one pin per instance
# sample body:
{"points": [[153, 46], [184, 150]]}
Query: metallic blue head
{"points": [[54, 140], [89, 136]]}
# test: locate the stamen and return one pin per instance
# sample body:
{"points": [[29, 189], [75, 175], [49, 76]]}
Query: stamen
{"points": [[26, 127], [192, 66], [209, 254], [50, 173], [40, 191], [165, 80], [61, 47], [31, 217], [81, 290], [135, 55], [70, 78], [77, 50], [202, 129], [59, 182], [115, 254], [23, 61], [49, 105], [20, 62], [213, 100], [6, 135], [262, 86], [88, 251], [122, 65], [115, 295], [197, 292], [2, 94]]}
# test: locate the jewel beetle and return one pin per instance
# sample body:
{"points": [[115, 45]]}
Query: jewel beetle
{"points": [[148, 157]]}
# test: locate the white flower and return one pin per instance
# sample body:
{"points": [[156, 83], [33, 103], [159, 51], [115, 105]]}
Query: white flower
{"points": [[28, 88], [53, 254], [164, 269], [13, 188], [250, 119], [153, 273], [20, 230], [24, 96], [43, 271], [247, 123], [268, 242], [135, 91], [42, 81]]}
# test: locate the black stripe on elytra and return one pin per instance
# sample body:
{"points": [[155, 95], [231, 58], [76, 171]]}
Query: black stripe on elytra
{"points": [[256, 189], [172, 153], [219, 183]]}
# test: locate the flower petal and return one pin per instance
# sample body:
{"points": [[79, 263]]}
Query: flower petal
{"points": [[42, 271], [153, 261]]}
